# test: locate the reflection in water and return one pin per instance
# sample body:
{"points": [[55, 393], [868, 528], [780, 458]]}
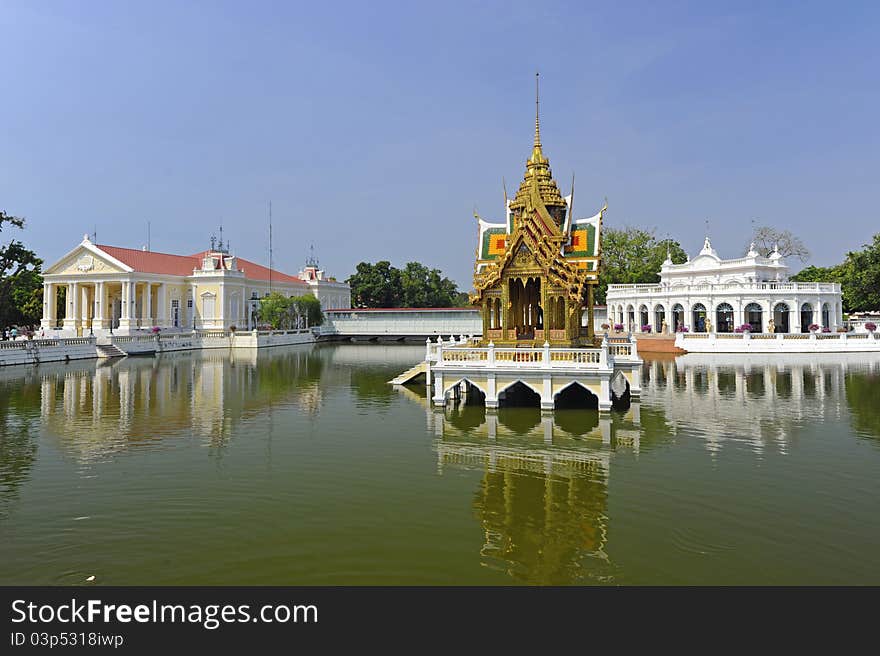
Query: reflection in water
{"points": [[543, 498], [103, 468], [18, 434], [140, 402]]}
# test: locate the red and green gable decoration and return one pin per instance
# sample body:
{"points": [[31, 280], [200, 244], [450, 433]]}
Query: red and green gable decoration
{"points": [[493, 244], [583, 241]]}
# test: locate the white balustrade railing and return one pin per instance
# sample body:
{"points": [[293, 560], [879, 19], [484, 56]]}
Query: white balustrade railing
{"points": [[459, 353], [799, 287]]}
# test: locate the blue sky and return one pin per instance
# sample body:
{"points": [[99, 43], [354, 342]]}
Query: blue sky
{"points": [[376, 128]]}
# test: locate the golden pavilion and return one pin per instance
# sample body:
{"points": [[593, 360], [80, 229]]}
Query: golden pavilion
{"points": [[535, 273]]}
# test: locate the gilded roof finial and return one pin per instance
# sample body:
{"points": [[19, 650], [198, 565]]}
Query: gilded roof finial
{"points": [[537, 119]]}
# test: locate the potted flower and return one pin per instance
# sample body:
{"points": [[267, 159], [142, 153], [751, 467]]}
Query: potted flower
{"points": [[618, 327], [646, 328], [745, 328], [683, 329], [826, 329], [813, 327], [871, 327], [606, 326]]}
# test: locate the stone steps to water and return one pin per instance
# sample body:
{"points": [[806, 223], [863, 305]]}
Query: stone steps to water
{"points": [[409, 374], [110, 351]]}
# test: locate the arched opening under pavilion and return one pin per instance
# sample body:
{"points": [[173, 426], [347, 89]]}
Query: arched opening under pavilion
{"points": [[576, 397], [519, 395]]}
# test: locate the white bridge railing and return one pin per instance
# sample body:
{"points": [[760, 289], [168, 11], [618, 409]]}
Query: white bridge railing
{"points": [[461, 353]]}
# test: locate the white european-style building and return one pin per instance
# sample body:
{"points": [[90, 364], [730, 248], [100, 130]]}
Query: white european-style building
{"points": [[708, 294]]}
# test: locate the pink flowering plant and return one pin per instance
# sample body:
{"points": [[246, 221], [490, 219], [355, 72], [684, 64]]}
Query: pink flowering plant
{"points": [[870, 326], [646, 328], [813, 327], [618, 327]]}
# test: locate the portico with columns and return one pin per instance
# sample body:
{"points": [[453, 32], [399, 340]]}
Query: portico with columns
{"points": [[122, 290]]}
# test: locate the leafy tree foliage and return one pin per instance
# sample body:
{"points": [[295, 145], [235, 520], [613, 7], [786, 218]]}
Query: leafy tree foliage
{"points": [[282, 312], [382, 285], [21, 284], [815, 274], [858, 275], [633, 255], [766, 239]]}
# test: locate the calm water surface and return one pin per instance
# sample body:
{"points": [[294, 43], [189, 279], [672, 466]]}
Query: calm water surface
{"points": [[303, 466]]}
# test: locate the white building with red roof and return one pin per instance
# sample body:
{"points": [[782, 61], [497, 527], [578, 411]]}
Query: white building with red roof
{"points": [[125, 290]]}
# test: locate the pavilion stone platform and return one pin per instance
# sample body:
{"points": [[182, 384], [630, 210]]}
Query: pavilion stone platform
{"points": [[458, 368]]}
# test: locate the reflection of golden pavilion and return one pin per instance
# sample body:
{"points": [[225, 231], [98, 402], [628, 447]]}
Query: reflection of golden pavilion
{"points": [[542, 501]]}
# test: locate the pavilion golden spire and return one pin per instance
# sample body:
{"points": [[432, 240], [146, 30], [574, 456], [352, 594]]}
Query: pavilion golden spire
{"points": [[538, 172]]}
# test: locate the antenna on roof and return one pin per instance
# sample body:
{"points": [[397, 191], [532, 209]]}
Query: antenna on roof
{"points": [[94, 234], [270, 246]]}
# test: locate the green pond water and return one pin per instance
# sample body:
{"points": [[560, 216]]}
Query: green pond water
{"points": [[301, 465]]}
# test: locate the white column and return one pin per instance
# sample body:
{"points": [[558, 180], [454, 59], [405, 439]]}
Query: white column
{"points": [[84, 306], [125, 311], [72, 302], [100, 312], [191, 315], [147, 306], [161, 305], [48, 320]]}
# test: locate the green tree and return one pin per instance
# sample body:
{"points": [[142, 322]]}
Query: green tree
{"points": [[633, 256], [424, 287], [21, 284], [309, 307], [816, 274], [859, 278], [384, 286], [375, 285], [275, 310]]}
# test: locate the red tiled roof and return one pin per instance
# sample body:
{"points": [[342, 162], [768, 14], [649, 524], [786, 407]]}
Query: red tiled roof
{"points": [[183, 265]]}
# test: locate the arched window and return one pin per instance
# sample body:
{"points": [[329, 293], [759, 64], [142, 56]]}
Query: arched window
{"points": [[677, 317], [781, 318], [659, 318], [724, 318], [754, 316], [826, 316], [644, 319], [699, 312], [806, 317]]}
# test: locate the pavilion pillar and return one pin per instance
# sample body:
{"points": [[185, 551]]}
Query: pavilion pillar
{"points": [[71, 316]]}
